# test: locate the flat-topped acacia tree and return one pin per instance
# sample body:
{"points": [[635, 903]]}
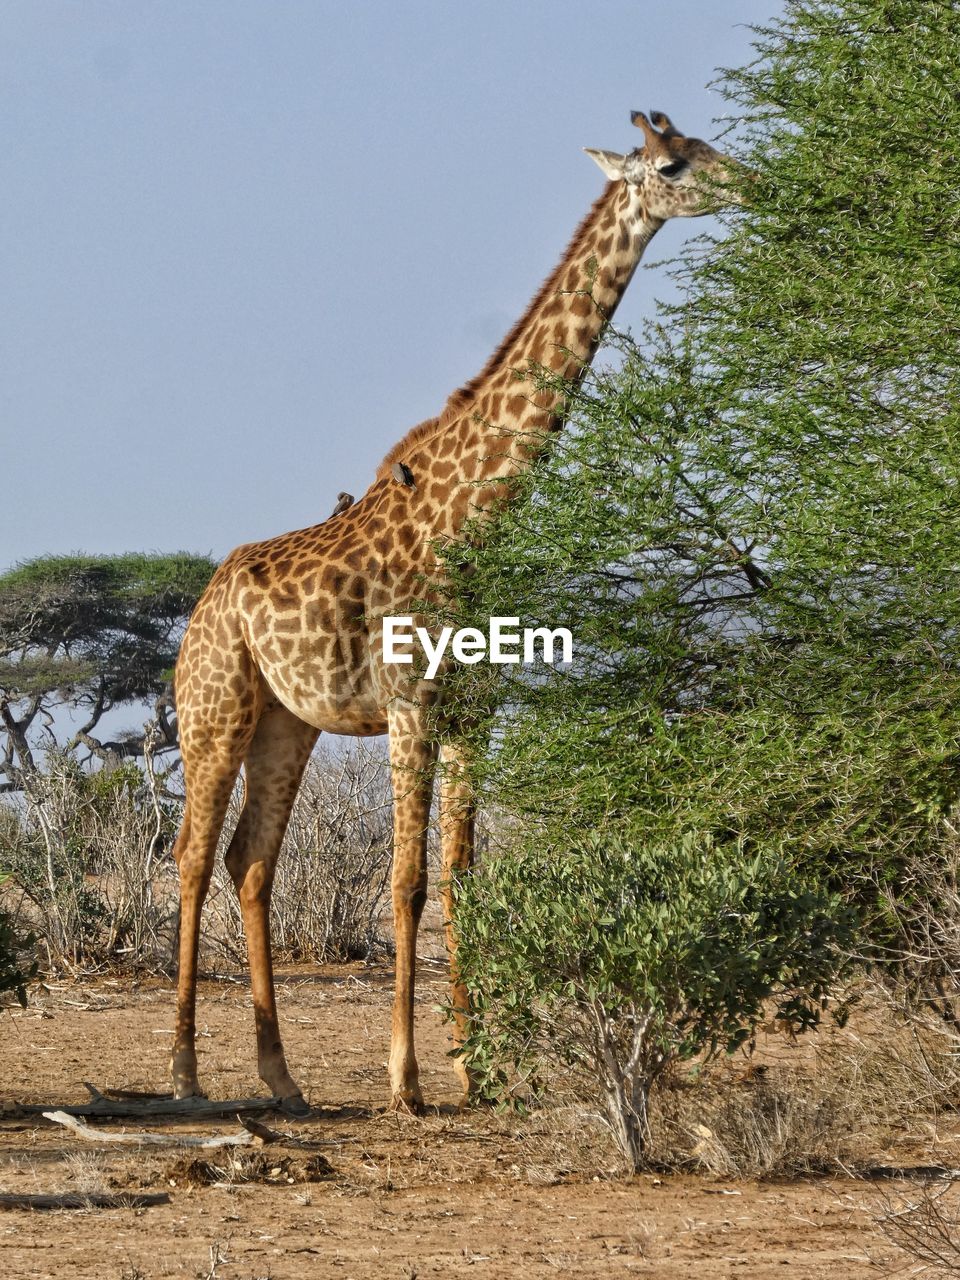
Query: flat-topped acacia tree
{"points": [[92, 633]]}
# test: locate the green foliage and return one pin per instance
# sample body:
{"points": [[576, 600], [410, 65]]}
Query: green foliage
{"points": [[92, 633], [624, 958], [752, 527], [97, 625]]}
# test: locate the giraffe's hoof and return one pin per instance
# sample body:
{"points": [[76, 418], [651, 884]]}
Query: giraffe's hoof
{"points": [[188, 1100], [408, 1102], [295, 1105], [189, 1093]]}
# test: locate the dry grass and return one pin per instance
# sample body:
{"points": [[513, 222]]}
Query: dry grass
{"points": [[881, 1089], [333, 873], [94, 878], [86, 1172], [924, 1223]]}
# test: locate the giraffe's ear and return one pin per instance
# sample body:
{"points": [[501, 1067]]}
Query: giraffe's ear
{"points": [[611, 162]]}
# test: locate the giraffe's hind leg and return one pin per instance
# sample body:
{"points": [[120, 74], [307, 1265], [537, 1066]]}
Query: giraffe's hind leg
{"points": [[457, 846], [210, 780], [273, 767]]}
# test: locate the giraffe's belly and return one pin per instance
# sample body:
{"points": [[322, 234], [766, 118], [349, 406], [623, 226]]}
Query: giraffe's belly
{"points": [[355, 718], [331, 700], [335, 677]]}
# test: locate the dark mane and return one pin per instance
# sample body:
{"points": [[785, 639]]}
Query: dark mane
{"points": [[460, 399]]}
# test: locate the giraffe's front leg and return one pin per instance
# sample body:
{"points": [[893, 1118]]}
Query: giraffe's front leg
{"points": [[457, 844], [412, 761]]}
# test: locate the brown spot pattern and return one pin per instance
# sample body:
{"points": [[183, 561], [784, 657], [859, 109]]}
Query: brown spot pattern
{"points": [[286, 641]]}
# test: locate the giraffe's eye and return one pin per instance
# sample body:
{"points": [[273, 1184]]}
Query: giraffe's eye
{"points": [[673, 169]]}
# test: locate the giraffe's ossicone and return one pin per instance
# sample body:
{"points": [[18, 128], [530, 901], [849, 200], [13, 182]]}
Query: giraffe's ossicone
{"points": [[286, 642]]}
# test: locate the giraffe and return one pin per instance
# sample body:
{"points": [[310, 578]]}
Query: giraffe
{"points": [[286, 642]]}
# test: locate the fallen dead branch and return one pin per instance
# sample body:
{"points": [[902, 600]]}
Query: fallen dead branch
{"points": [[263, 1134], [146, 1106], [84, 1200], [243, 1139]]}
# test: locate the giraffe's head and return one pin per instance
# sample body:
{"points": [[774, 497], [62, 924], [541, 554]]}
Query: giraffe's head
{"points": [[679, 176]]}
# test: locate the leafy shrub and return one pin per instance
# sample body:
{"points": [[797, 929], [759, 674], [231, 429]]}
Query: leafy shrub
{"points": [[624, 958], [751, 525]]}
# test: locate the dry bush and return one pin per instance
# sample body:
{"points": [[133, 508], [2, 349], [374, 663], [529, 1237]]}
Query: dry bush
{"points": [[925, 958], [334, 867], [924, 1223], [86, 853], [877, 1094], [90, 860], [569, 1137], [841, 1098]]}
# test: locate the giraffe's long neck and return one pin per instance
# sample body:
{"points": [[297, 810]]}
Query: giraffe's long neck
{"points": [[494, 426], [560, 330]]}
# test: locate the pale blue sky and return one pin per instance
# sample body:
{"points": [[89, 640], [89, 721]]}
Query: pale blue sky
{"points": [[245, 244]]}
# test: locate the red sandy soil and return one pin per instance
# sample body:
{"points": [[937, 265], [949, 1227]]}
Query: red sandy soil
{"points": [[457, 1193]]}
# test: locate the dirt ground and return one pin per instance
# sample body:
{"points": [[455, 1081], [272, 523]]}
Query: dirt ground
{"points": [[457, 1193]]}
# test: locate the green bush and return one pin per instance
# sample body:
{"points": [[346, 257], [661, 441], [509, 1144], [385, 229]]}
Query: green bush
{"points": [[624, 958]]}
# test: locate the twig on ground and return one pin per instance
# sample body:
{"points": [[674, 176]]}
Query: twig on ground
{"points": [[84, 1200], [242, 1139]]}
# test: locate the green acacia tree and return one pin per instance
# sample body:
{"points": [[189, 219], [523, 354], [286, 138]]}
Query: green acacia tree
{"points": [[91, 633], [80, 637], [753, 526]]}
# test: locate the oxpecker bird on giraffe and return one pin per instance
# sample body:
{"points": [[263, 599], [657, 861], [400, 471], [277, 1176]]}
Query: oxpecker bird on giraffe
{"points": [[287, 643]]}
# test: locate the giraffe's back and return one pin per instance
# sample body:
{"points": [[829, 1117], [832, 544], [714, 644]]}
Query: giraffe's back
{"points": [[298, 617]]}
